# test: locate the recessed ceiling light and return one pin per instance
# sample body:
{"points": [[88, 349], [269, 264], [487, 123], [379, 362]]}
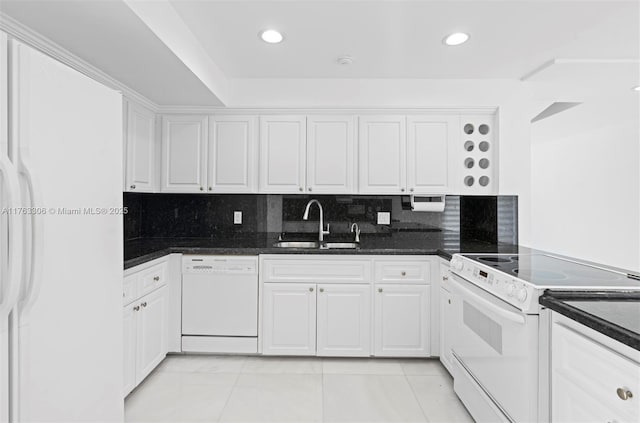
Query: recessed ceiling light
{"points": [[456, 39], [345, 60], [271, 36], [637, 88]]}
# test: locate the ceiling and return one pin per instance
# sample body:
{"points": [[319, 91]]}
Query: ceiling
{"points": [[388, 39], [403, 39]]}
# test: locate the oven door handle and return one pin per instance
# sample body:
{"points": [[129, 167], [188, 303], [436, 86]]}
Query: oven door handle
{"points": [[495, 308]]}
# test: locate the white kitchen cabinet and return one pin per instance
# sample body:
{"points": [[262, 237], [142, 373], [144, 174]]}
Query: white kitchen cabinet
{"points": [[140, 173], [402, 320], [382, 157], [429, 138], [331, 154], [232, 154], [282, 154], [593, 378], [184, 153], [446, 317], [145, 321], [289, 319], [130, 341], [343, 320]]}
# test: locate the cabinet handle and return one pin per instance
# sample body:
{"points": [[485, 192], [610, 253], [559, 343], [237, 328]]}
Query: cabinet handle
{"points": [[310, 189], [310, 289], [445, 278], [300, 189], [201, 189], [411, 189], [210, 189], [133, 187], [321, 289], [136, 308], [449, 301], [624, 394], [404, 273], [401, 189], [144, 304], [156, 278], [379, 289]]}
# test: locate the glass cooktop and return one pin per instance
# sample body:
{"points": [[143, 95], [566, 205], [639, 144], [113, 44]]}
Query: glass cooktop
{"points": [[544, 271]]}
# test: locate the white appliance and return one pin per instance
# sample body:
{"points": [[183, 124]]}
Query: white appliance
{"points": [[499, 373], [220, 304], [61, 286]]}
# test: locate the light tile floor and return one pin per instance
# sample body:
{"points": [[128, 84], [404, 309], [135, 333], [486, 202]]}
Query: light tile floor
{"points": [[199, 388]]}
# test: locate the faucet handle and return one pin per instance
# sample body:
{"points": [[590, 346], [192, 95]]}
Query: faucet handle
{"points": [[327, 231]]}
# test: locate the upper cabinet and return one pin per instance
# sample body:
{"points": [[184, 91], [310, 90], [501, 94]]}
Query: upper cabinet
{"points": [[282, 154], [383, 144], [232, 155], [140, 148], [428, 142], [184, 153], [331, 154]]}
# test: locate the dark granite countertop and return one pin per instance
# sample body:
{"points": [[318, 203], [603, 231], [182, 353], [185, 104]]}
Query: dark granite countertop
{"points": [[615, 314], [442, 243]]}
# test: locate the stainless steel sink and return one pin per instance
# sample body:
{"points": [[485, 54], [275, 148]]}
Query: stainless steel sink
{"points": [[340, 245], [317, 244], [297, 244]]}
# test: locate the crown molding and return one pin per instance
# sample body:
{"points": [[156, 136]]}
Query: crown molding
{"points": [[34, 39], [201, 110]]}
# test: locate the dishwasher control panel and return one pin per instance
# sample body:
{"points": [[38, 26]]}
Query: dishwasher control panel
{"points": [[219, 265]]}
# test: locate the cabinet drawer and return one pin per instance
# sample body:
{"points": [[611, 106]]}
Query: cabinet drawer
{"points": [[130, 288], [316, 271], [406, 272], [153, 278], [597, 370]]}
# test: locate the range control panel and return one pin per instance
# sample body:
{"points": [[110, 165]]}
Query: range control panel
{"points": [[512, 290]]}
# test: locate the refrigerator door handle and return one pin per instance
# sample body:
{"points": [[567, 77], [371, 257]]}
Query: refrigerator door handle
{"points": [[34, 259], [15, 234]]}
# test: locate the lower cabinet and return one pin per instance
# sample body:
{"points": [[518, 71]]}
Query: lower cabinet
{"points": [[314, 319], [145, 321], [402, 322], [593, 378]]}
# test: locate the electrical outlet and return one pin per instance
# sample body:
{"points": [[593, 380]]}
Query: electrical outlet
{"points": [[237, 218], [384, 218]]}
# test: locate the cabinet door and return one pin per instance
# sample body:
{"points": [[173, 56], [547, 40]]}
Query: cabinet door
{"points": [[184, 161], [428, 141], [331, 159], [152, 321], [382, 160], [344, 318], [232, 154], [402, 320], [446, 328], [289, 319], [130, 336], [140, 133], [282, 154]]}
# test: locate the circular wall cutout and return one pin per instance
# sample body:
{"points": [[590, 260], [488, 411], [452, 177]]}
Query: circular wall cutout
{"points": [[483, 163], [484, 181], [469, 145], [468, 162], [468, 181], [468, 129], [484, 146], [483, 129]]}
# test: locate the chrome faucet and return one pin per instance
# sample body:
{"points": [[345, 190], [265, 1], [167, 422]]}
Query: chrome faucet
{"points": [[321, 232], [356, 229]]}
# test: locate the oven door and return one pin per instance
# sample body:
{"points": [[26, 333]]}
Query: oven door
{"points": [[496, 345]]}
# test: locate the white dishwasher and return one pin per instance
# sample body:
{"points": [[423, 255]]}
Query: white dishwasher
{"points": [[220, 304]]}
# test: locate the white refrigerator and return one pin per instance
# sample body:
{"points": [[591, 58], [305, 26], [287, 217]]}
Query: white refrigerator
{"points": [[60, 241]]}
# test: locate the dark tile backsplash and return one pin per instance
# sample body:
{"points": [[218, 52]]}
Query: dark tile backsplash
{"points": [[490, 219]]}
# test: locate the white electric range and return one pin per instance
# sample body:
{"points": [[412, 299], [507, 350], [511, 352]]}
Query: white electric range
{"points": [[498, 371]]}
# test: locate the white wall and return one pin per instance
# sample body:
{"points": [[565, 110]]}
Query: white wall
{"points": [[585, 193]]}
